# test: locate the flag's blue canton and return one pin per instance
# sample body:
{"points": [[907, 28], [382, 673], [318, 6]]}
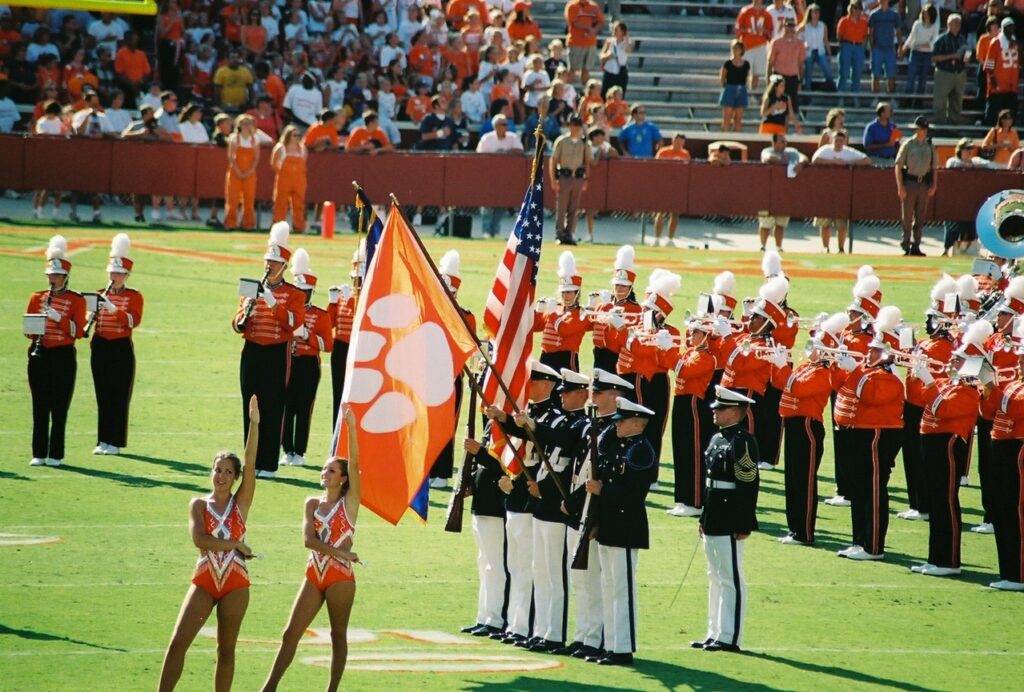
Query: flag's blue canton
{"points": [[530, 226]]}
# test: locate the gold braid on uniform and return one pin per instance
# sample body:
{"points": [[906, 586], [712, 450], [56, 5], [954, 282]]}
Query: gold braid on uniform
{"points": [[745, 467]]}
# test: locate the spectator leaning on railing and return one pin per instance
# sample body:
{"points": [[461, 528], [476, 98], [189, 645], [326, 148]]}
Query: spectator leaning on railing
{"points": [[498, 141], [836, 153], [778, 153]]}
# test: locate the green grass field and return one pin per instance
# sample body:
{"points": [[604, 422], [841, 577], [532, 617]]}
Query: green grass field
{"points": [[95, 609]]}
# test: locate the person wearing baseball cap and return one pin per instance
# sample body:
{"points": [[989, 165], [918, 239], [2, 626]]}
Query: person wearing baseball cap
{"points": [[916, 180], [569, 164]]}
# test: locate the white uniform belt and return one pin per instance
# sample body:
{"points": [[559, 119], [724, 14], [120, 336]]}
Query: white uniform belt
{"points": [[721, 485]]}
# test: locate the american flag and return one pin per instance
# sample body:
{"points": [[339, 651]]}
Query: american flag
{"points": [[508, 317]]}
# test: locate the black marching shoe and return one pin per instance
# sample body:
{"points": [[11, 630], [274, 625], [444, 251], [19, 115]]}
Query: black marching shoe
{"points": [[586, 652], [544, 646], [616, 660], [527, 642], [510, 638], [485, 631], [722, 646], [569, 650], [469, 629], [701, 645]]}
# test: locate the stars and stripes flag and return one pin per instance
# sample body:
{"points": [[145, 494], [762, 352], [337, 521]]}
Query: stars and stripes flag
{"points": [[508, 316]]}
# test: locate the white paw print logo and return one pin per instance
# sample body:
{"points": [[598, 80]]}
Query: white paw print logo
{"points": [[421, 360]]}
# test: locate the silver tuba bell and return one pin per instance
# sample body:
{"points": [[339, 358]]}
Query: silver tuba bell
{"points": [[1000, 224]]}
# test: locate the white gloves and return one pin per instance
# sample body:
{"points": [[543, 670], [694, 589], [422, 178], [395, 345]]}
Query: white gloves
{"points": [[52, 314], [301, 332], [663, 340], [987, 375], [606, 295], [108, 306], [346, 291], [616, 321], [550, 304], [778, 359], [268, 298], [333, 294], [846, 363], [540, 306], [922, 373], [723, 327]]}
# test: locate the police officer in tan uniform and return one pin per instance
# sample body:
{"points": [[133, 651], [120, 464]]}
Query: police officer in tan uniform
{"points": [[569, 164]]}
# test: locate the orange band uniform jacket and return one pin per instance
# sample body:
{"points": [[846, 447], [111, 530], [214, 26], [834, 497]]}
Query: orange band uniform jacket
{"points": [[71, 326], [607, 337], [694, 371], [318, 323], [120, 323], [720, 347], [562, 329], [747, 371], [950, 407], [1009, 421], [341, 315], [936, 348], [647, 360], [805, 389], [1004, 361], [870, 398], [274, 325]]}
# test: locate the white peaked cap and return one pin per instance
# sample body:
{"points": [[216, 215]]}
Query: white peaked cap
{"points": [[967, 287], [277, 243], [568, 279], [888, 318], [605, 380], [771, 264], [942, 288], [725, 283]]}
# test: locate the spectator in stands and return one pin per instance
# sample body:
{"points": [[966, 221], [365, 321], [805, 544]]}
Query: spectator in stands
{"points": [[152, 96], [585, 20], [106, 77], [733, 76], [640, 138], [884, 33], [615, 58], [881, 136], [170, 34], [232, 84], [254, 35], [616, 108], [42, 45], [950, 55], [117, 116], [916, 165], [193, 131], [1016, 160], [834, 122], [77, 75], [267, 119], [836, 153], [507, 87], [323, 135], [780, 11], [131, 66], [488, 70], [778, 153], [303, 102], [555, 58], [1002, 140], [852, 32], [535, 82], [498, 141], [473, 103], [107, 32], [9, 115], [1001, 63], [754, 28], [817, 47], [566, 77], [558, 108], [521, 24], [777, 111], [676, 151], [437, 131], [166, 120], [50, 125], [591, 97], [989, 33], [918, 45], [368, 138], [787, 58], [392, 50], [21, 75], [960, 234]]}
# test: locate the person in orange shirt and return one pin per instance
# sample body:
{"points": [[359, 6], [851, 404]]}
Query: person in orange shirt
{"points": [[288, 159], [170, 32], [991, 33], [754, 28], [1002, 139], [421, 58], [674, 152], [324, 135], [417, 107], [691, 420], [521, 24], [585, 20], [852, 32], [240, 183], [77, 75], [591, 97], [456, 11], [616, 108], [1001, 63], [458, 57], [131, 67], [369, 138], [562, 328], [272, 85], [254, 35]]}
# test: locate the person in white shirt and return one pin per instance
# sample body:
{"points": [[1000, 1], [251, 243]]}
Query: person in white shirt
{"points": [[118, 118], [303, 101], [497, 141], [295, 28], [335, 89], [151, 98], [107, 32], [473, 103], [391, 51], [837, 154], [614, 59], [387, 106], [780, 11], [49, 125], [919, 45], [535, 81], [9, 115]]}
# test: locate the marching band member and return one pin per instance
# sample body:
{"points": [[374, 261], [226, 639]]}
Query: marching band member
{"points": [[118, 312], [1007, 476], [722, 339], [1003, 361], [730, 516], [805, 391], [341, 309], [267, 323], [691, 419], [588, 627], [311, 338], [626, 469], [563, 328], [855, 339], [950, 412], [938, 347], [606, 351], [870, 407], [52, 361], [769, 437], [441, 471], [967, 292], [221, 579], [650, 351]]}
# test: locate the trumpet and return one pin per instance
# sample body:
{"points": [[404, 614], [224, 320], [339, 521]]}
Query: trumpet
{"points": [[37, 344], [250, 307], [709, 323], [650, 338], [808, 323], [764, 351], [96, 313], [631, 319], [914, 359], [831, 355]]}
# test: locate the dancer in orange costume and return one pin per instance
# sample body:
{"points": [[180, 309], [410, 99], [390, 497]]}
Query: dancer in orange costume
{"points": [[221, 580], [289, 160], [243, 158]]}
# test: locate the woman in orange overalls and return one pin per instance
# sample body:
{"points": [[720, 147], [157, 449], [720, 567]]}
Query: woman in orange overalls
{"points": [[289, 160], [329, 525], [221, 579], [243, 157]]}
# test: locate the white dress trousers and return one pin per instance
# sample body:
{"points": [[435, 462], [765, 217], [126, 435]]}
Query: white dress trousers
{"points": [[519, 560], [550, 580], [618, 597], [586, 588], [490, 564], [727, 591]]}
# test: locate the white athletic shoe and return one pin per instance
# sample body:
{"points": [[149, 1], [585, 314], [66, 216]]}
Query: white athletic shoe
{"points": [[269, 475], [984, 527], [683, 510], [936, 571], [910, 515], [847, 550], [963, 481], [1007, 585], [792, 540], [54, 462], [921, 568], [923, 516], [113, 451], [838, 501], [37, 213], [765, 466], [298, 460], [101, 448], [438, 483], [285, 460], [36, 461], [861, 554]]}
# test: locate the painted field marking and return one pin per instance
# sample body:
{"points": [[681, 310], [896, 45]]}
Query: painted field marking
{"points": [[8, 539], [317, 636], [439, 663]]}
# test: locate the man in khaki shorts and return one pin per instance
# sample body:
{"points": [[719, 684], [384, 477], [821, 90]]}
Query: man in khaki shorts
{"points": [[584, 19]]}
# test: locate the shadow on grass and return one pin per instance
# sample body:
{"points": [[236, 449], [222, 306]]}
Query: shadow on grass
{"points": [[841, 673], [33, 635], [669, 675], [10, 476], [134, 481], [180, 466]]}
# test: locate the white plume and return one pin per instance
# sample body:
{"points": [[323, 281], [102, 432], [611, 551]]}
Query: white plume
{"points": [[978, 332], [624, 257], [121, 245], [666, 284], [967, 287], [775, 289], [450, 262], [943, 287], [725, 284], [58, 247], [1015, 289], [717, 303], [279, 233], [771, 264], [1018, 329], [836, 323], [865, 270], [653, 278], [300, 262], [866, 287], [566, 265], [888, 318]]}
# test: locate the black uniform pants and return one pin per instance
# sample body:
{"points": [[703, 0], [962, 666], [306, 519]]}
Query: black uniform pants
{"points": [[113, 377], [692, 428], [339, 357], [51, 379], [655, 395], [984, 441], [1008, 507], [768, 424], [804, 445], [299, 401], [606, 359], [917, 482], [263, 371], [841, 454], [561, 359], [872, 455], [946, 458], [444, 465]]}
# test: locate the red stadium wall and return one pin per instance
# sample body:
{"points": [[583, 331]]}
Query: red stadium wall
{"points": [[476, 180]]}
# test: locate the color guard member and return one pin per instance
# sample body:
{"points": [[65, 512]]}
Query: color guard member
{"points": [[311, 338], [267, 323], [52, 361], [118, 313], [624, 307], [562, 328]]}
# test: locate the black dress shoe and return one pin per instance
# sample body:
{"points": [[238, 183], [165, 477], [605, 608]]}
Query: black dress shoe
{"points": [[916, 252], [588, 652], [616, 660], [722, 646], [500, 634], [526, 643], [511, 638], [701, 645], [485, 631], [469, 629], [569, 650], [546, 647]]}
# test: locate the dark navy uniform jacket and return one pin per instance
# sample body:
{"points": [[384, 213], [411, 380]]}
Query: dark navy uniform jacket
{"points": [[731, 459]]}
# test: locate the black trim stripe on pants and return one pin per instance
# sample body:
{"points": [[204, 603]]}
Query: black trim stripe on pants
{"points": [[263, 371], [913, 463], [113, 378], [1008, 507], [946, 456], [51, 379], [300, 398], [872, 454], [561, 359], [804, 441], [738, 585], [339, 358], [692, 428]]}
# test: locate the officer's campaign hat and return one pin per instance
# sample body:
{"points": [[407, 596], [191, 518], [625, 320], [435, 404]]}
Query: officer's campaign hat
{"points": [[539, 371], [624, 408], [572, 380], [604, 380], [727, 397]]}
